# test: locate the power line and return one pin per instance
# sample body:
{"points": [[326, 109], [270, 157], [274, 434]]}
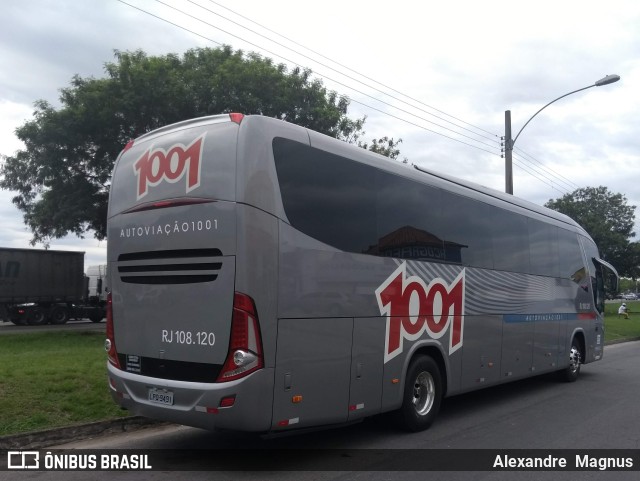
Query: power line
{"points": [[319, 73], [420, 126], [552, 172], [542, 177], [347, 68], [170, 22], [541, 174], [544, 180]]}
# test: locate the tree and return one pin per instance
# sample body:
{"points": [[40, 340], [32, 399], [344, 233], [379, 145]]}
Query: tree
{"points": [[609, 220], [385, 146], [62, 176]]}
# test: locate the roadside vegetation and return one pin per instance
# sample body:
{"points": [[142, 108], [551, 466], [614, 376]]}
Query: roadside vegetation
{"points": [[617, 328], [53, 379]]}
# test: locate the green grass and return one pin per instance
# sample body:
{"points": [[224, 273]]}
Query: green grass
{"points": [[617, 328], [52, 379]]}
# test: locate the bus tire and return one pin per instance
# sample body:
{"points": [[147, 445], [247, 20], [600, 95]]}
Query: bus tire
{"points": [[572, 371], [422, 394], [59, 315]]}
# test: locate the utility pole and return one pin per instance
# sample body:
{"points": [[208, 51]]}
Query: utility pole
{"points": [[508, 151]]}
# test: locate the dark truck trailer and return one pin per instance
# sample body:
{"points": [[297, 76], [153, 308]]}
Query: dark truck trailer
{"points": [[42, 286]]}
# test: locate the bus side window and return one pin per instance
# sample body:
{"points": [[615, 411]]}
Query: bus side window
{"points": [[570, 257]]}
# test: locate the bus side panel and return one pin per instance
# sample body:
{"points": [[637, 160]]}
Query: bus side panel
{"points": [[517, 348], [546, 344], [321, 291], [257, 177], [481, 353], [312, 372], [257, 271], [367, 367]]}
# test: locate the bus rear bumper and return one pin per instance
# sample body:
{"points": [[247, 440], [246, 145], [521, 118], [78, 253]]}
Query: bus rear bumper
{"points": [[240, 405]]}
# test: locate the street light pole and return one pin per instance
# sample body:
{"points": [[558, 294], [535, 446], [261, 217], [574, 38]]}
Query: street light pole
{"points": [[509, 142]]}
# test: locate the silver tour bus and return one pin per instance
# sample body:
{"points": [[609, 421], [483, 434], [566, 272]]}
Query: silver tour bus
{"points": [[264, 277]]}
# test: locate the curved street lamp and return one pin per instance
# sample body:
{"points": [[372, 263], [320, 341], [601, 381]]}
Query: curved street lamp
{"points": [[509, 143]]}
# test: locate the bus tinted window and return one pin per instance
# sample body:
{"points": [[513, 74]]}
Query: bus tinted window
{"points": [[510, 242], [409, 220], [543, 248], [329, 198], [357, 208], [468, 231], [571, 264]]}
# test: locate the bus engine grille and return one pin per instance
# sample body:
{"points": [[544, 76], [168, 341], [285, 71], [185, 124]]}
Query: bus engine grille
{"points": [[184, 266]]}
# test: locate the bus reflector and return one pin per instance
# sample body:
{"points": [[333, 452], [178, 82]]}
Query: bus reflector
{"points": [[110, 342], [288, 422], [245, 345], [206, 409], [227, 402]]}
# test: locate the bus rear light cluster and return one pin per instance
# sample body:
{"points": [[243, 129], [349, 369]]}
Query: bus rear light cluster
{"points": [[110, 343], [245, 346]]}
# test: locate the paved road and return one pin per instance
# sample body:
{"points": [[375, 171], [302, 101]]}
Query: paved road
{"points": [[601, 410]]}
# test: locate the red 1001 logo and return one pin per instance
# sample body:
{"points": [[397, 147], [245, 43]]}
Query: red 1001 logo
{"points": [[412, 308], [156, 165]]}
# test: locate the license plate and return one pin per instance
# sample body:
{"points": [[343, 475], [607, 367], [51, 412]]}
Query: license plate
{"points": [[161, 396]]}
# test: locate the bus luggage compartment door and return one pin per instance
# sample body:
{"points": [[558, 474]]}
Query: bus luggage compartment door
{"points": [[313, 365]]}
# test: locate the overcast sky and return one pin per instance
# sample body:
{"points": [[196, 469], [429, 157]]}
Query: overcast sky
{"points": [[438, 75]]}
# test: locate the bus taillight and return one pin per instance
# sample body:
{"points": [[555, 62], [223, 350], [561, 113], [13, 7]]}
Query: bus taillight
{"points": [[110, 343], [245, 346]]}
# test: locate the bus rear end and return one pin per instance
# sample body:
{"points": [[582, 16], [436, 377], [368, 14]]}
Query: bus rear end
{"points": [[184, 342]]}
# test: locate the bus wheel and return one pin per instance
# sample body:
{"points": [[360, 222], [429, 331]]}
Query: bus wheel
{"points": [[572, 371], [59, 315], [422, 394]]}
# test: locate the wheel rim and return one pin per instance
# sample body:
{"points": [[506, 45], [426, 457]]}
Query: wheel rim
{"points": [[424, 393], [574, 360]]}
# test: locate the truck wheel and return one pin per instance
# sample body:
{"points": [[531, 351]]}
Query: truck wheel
{"points": [[96, 318], [59, 315], [422, 394], [36, 317]]}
